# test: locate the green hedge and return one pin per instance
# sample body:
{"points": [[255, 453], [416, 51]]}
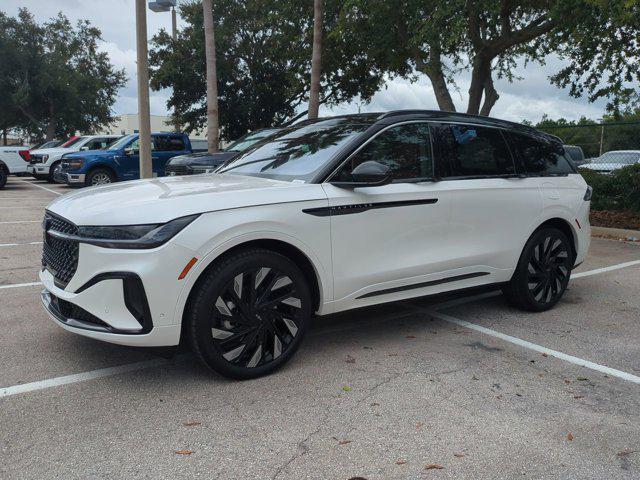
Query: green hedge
{"points": [[618, 191]]}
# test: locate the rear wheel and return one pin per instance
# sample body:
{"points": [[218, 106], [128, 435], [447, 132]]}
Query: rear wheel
{"points": [[249, 314], [3, 176], [543, 271], [99, 176]]}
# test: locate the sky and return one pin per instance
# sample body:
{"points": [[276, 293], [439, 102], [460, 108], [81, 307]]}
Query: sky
{"points": [[526, 99]]}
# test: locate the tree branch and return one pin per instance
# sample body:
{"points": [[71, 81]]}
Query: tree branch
{"points": [[473, 24]]}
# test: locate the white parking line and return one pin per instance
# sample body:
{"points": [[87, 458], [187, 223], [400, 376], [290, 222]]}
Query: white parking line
{"points": [[22, 221], [538, 348], [18, 285], [604, 269], [40, 186], [80, 377], [19, 244], [433, 311]]}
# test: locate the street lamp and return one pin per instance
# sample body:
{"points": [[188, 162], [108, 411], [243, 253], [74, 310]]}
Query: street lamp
{"points": [[165, 6]]}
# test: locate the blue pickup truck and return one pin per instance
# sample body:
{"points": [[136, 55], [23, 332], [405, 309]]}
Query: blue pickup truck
{"points": [[121, 160]]}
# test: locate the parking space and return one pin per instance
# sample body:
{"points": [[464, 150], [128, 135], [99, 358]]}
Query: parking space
{"points": [[399, 391]]}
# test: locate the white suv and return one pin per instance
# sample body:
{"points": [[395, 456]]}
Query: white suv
{"points": [[325, 216], [45, 161]]}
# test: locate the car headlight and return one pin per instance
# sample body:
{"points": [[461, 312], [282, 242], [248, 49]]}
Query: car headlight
{"points": [[73, 163], [45, 158], [129, 236]]}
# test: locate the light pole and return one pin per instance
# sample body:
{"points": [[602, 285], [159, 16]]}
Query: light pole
{"points": [[165, 6], [144, 129]]}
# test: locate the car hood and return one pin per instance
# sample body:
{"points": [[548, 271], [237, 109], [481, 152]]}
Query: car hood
{"points": [[52, 151], [159, 200], [601, 167], [93, 153], [207, 160]]}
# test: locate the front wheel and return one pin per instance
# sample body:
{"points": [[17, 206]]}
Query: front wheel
{"points": [[249, 314], [52, 171], [99, 176], [543, 271]]}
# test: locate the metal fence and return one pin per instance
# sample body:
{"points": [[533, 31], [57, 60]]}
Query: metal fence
{"points": [[601, 147]]}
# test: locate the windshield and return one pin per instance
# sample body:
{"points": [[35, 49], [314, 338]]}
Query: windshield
{"points": [[297, 152], [72, 141], [112, 142], [251, 138], [620, 158], [122, 142]]}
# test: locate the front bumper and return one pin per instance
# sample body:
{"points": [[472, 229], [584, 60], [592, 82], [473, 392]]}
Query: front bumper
{"points": [[73, 178], [100, 302]]}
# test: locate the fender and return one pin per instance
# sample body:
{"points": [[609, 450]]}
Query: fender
{"points": [[325, 285]]}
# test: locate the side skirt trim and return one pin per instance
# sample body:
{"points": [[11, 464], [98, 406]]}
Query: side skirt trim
{"points": [[423, 284], [363, 207]]}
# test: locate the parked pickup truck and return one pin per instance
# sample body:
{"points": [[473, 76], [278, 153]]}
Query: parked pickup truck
{"points": [[13, 160], [44, 161], [122, 160]]}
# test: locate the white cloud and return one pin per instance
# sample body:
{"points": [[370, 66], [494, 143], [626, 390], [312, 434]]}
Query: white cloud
{"points": [[527, 99]]}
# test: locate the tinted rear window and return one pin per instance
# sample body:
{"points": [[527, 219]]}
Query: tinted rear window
{"points": [[539, 156], [471, 151]]}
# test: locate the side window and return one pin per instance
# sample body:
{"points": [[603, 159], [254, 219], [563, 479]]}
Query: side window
{"points": [[538, 156], [98, 143], [169, 144], [405, 150], [471, 151]]}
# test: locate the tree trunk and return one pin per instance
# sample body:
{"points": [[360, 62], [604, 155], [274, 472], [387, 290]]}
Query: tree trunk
{"points": [[50, 132], [213, 121], [4, 137], [479, 74], [314, 94], [434, 70], [491, 96]]}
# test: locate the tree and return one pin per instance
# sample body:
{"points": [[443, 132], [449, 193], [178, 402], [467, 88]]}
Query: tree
{"points": [[314, 95], [485, 37], [213, 122], [263, 60], [59, 81]]}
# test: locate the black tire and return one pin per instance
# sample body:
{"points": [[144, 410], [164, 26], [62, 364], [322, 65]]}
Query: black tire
{"points": [[51, 172], [99, 176], [3, 176], [249, 313], [543, 271]]}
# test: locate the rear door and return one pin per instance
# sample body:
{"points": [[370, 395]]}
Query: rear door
{"points": [[493, 205], [388, 239]]}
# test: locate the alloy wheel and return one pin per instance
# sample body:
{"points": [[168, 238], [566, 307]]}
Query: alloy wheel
{"points": [[100, 179], [256, 317], [548, 269]]}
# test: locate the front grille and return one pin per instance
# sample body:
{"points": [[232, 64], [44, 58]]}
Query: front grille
{"points": [[178, 170], [36, 159], [59, 256], [71, 311]]}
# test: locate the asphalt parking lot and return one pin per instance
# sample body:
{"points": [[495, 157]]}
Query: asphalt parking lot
{"points": [[452, 387]]}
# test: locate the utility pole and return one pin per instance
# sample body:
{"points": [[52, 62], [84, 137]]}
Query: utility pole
{"points": [[213, 122], [144, 138], [314, 94]]}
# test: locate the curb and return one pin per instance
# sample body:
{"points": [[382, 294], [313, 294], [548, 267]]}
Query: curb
{"points": [[617, 233]]}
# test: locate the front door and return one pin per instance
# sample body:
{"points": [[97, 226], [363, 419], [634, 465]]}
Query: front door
{"points": [[391, 237]]}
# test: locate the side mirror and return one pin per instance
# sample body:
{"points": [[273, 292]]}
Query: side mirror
{"points": [[84, 149], [367, 174], [130, 151]]}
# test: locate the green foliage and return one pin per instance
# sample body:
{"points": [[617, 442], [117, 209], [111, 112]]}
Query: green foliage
{"points": [[586, 132], [263, 62], [598, 39], [54, 80], [617, 191]]}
